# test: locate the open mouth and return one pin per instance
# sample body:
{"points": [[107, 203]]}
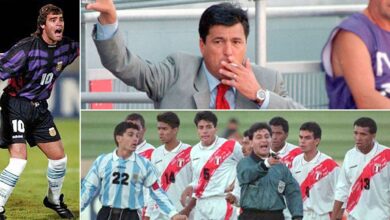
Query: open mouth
{"points": [[264, 146], [58, 31]]}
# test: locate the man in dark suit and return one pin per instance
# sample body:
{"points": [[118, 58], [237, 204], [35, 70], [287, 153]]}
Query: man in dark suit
{"points": [[223, 78]]}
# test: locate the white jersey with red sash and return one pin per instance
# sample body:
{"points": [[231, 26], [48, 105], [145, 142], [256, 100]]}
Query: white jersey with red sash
{"points": [[174, 170], [364, 183], [144, 149], [317, 179], [288, 153], [214, 170]]}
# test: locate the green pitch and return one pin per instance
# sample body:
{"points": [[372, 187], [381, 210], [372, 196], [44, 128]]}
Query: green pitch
{"points": [[26, 199], [337, 130]]}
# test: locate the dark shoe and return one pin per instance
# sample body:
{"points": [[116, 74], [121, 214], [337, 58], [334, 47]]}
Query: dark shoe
{"points": [[2, 213], [61, 209]]}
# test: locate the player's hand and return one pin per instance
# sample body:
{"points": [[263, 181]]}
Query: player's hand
{"points": [[186, 211], [240, 76], [179, 217], [230, 198], [107, 11], [146, 218], [186, 195]]}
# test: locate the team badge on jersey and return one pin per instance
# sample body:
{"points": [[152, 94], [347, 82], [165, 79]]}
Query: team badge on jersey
{"points": [[217, 160], [318, 175], [281, 186], [59, 66], [52, 132], [180, 162], [377, 167]]}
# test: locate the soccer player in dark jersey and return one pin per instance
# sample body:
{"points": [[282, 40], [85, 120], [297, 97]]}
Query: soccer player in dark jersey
{"points": [[31, 66]]}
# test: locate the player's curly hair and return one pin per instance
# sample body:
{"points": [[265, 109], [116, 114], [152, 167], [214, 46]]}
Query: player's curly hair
{"points": [[43, 12]]}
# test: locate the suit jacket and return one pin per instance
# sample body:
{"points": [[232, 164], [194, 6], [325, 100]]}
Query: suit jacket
{"points": [[178, 82]]}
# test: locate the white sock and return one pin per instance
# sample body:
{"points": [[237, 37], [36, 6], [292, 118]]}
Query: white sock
{"points": [[9, 177], [56, 175]]}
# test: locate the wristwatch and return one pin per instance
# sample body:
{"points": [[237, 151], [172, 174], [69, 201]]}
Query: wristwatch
{"points": [[260, 96]]}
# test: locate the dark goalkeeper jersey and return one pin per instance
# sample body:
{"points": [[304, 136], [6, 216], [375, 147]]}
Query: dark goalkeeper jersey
{"points": [[32, 66]]}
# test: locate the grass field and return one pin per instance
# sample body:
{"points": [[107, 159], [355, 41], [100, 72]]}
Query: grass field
{"points": [[26, 200], [97, 127]]}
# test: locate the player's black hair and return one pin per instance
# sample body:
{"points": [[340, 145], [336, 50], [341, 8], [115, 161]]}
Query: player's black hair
{"points": [[43, 13], [279, 121], [312, 127], [170, 118], [136, 117], [121, 128], [225, 14], [366, 122], [259, 126], [207, 116]]}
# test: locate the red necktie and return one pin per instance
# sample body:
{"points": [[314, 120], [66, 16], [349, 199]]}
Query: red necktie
{"points": [[221, 102]]}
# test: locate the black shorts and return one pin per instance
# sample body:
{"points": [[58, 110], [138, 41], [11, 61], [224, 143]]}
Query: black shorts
{"points": [[107, 213], [24, 120]]}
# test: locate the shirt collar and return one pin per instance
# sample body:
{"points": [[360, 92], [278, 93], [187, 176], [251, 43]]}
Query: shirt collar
{"points": [[314, 160], [116, 158], [140, 146], [211, 80], [372, 151], [255, 157], [281, 150], [210, 147], [174, 150]]}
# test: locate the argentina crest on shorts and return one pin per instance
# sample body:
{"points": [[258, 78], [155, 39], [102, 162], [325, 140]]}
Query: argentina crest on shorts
{"points": [[52, 132], [281, 186]]}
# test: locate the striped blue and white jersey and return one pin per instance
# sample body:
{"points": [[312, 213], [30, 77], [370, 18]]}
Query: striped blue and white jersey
{"points": [[119, 183]]}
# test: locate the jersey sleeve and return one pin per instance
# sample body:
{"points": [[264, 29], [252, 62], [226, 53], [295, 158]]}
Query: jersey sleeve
{"points": [[157, 193], [12, 61], [343, 184], [91, 184]]}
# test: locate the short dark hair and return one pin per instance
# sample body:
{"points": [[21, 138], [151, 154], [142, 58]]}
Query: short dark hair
{"points": [[170, 118], [312, 127], [279, 121], [225, 14], [259, 126], [43, 13], [121, 128], [136, 117], [207, 116], [366, 122], [246, 133]]}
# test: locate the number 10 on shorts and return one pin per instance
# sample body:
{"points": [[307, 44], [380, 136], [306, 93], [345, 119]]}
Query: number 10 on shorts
{"points": [[18, 126]]}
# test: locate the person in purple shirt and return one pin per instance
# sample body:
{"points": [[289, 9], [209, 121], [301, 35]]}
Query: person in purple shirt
{"points": [[356, 59], [31, 66]]}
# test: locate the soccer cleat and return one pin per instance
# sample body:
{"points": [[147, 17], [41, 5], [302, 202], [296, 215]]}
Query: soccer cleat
{"points": [[2, 213], [61, 209]]}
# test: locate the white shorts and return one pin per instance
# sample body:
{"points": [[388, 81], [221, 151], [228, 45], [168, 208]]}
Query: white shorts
{"points": [[214, 208], [311, 215]]}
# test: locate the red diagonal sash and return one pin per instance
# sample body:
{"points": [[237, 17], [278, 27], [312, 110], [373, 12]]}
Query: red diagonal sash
{"points": [[290, 156], [218, 157], [373, 167], [147, 154], [315, 175], [176, 164]]}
